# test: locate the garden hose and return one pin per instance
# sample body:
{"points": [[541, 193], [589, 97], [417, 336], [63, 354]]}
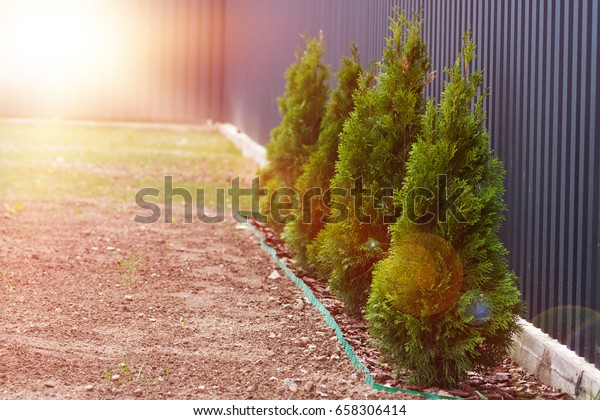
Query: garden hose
{"points": [[331, 322]]}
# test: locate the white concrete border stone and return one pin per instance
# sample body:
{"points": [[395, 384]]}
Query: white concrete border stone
{"points": [[242, 141], [554, 364]]}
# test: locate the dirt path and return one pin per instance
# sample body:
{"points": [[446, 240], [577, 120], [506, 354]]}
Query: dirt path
{"points": [[177, 311]]}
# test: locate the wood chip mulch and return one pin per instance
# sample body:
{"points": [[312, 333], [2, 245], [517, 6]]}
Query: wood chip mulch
{"points": [[507, 381]]}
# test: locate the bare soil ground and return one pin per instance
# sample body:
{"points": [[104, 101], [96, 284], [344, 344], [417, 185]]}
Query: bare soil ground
{"points": [[196, 316], [96, 306]]}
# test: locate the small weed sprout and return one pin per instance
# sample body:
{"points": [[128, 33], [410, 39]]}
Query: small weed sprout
{"points": [[129, 268], [107, 375], [124, 366], [141, 368], [149, 384], [15, 208], [183, 320], [583, 395]]}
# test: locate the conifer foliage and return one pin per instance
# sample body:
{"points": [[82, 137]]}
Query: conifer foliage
{"points": [[443, 302], [373, 150], [302, 107], [320, 167]]}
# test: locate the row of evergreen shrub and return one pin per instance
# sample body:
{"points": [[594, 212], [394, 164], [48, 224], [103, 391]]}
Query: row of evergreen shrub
{"points": [[416, 246]]}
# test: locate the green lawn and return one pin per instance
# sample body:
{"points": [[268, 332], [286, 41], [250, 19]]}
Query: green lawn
{"points": [[60, 161]]}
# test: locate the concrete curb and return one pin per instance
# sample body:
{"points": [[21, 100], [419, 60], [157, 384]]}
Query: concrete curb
{"points": [[247, 146], [554, 364]]}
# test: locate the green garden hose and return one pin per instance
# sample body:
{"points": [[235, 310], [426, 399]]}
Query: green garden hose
{"points": [[331, 322]]}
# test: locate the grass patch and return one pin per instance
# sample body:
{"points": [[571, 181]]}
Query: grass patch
{"points": [[58, 161]]}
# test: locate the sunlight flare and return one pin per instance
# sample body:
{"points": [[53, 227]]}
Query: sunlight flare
{"points": [[59, 47]]}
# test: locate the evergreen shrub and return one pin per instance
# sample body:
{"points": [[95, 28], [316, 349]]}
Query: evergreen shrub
{"points": [[443, 302], [302, 107], [373, 150], [320, 167]]}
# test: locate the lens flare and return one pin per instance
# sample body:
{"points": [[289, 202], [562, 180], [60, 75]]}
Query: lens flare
{"points": [[423, 274], [571, 323], [478, 307]]}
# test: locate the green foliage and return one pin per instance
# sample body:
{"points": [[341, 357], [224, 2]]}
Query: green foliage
{"points": [[302, 107], [374, 146], [15, 208], [129, 268], [320, 167], [459, 312]]}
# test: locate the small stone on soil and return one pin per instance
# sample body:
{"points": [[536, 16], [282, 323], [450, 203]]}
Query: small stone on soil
{"points": [[305, 341], [308, 386], [128, 298], [274, 275], [299, 305], [460, 393], [152, 320], [89, 388], [137, 392], [502, 376], [116, 377], [291, 385], [49, 384]]}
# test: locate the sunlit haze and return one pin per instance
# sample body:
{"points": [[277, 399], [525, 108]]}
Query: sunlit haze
{"points": [[59, 48]]}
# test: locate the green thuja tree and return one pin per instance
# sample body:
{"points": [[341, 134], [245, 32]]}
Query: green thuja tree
{"points": [[443, 302], [302, 107], [320, 167], [373, 150]]}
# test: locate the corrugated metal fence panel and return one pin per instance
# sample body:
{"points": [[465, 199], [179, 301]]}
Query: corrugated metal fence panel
{"points": [[261, 39], [541, 64]]}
